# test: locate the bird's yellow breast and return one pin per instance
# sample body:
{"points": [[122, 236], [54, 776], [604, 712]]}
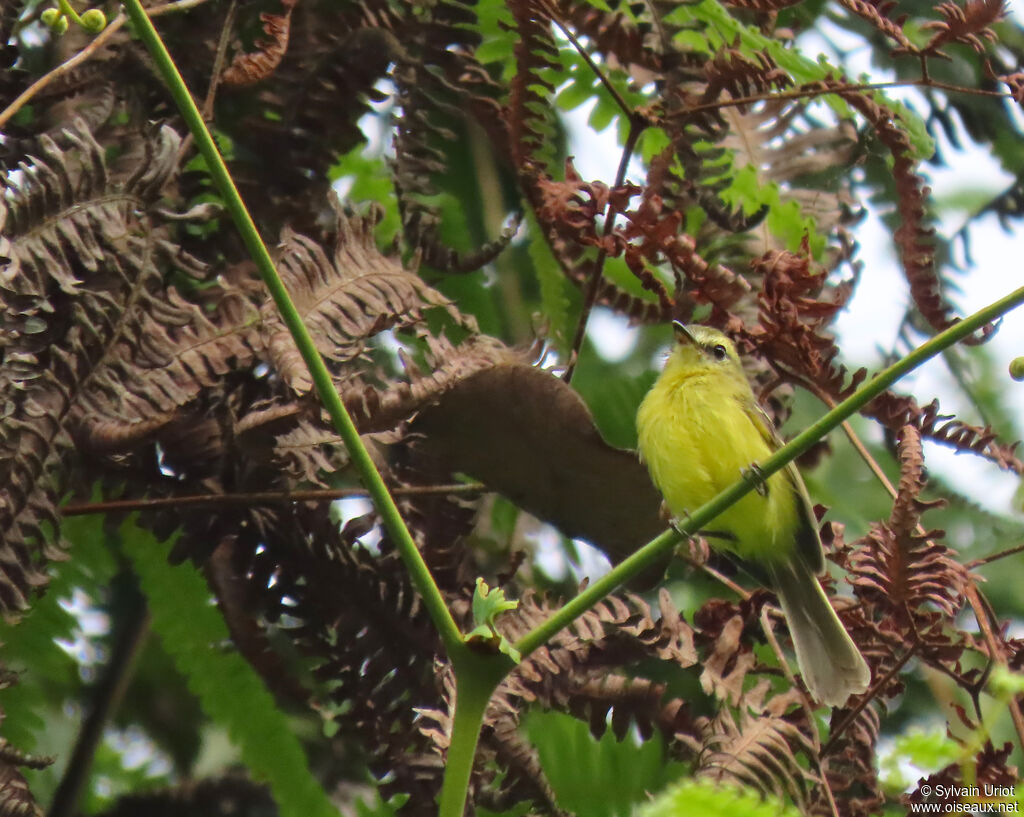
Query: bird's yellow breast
{"points": [[696, 435]]}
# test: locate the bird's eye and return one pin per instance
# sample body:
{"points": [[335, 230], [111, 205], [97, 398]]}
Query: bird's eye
{"points": [[719, 352]]}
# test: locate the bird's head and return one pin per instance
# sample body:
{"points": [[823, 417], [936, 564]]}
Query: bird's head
{"points": [[703, 349]]}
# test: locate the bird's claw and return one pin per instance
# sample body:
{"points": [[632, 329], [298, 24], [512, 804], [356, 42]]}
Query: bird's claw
{"points": [[677, 522], [754, 475]]}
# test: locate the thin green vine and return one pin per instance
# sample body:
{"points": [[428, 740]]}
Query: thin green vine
{"points": [[479, 673], [368, 473]]}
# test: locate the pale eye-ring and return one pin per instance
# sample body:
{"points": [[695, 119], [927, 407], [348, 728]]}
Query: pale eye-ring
{"points": [[719, 352]]}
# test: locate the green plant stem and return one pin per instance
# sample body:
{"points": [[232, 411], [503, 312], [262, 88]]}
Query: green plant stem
{"points": [[321, 377], [477, 675], [65, 8], [655, 550]]}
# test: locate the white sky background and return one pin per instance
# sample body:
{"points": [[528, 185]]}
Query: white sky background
{"points": [[870, 323]]}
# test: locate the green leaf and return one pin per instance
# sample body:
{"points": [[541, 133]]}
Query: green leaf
{"points": [[49, 676], [370, 181], [228, 689], [598, 778], [488, 604], [926, 752], [703, 798], [554, 294], [721, 28]]}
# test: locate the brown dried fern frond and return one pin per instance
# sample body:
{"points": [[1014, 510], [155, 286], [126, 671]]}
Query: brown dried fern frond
{"points": [[851, 766], [758, 747], [732, 72], [353, 612], [438, 81], [623, 41], [876, 12], [306, 112], [347, 299], [895, 411], [914, 238], [795, 310], [529, 110], [79, 250], [968, 24], [899, 571]]}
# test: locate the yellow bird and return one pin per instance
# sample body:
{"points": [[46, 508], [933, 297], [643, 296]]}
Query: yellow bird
{"points": [[699, 427]]}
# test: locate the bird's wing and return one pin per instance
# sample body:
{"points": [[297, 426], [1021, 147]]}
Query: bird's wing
{"points": [[807, 540]]}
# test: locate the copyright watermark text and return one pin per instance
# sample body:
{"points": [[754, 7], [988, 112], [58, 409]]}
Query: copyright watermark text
{"points": [[983, 799]]}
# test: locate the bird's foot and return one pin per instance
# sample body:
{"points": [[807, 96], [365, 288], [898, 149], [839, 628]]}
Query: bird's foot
{"points": [[754, 475], [675, 521], [696, 545]]}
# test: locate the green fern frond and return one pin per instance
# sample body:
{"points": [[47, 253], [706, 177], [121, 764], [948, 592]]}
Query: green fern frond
{"points": [[228, 689]]}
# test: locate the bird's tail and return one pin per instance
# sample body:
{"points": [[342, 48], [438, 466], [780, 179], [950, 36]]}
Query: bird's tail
{"points": [[830, 662]]}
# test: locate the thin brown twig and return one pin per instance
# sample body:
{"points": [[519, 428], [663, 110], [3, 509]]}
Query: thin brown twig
{"points": [[215, 75], [996, 651], [611, 89], [218, 61], [813, 93], [851, 435], [995, 557], [87, 52], [636, 127], [867, 698], [742, 592], [258, 498]]}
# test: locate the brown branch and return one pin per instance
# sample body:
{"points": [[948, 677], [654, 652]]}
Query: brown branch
{"points": [[257, 498], [866, 698], [106, 697], [815, 92], [85, 54], [996, 651], [611, 89], [636, 127], [215, 75], [994, 557]]}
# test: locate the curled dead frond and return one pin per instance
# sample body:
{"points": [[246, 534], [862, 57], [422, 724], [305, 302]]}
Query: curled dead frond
{"points": [[968, 24], [529, 115], [246, 69], [795, 311], [895, 411], [851, 766], [614, 33]]}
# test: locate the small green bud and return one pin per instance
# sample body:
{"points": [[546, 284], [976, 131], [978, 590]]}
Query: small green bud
{"points": [[60, 26], [50, 17], [1017, 368], [94, 21]]}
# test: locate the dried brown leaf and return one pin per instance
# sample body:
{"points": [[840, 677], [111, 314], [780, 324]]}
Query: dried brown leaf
{"points": [[529, 436]]}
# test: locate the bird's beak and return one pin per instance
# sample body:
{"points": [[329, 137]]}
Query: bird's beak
{"points": [[683, 334]]}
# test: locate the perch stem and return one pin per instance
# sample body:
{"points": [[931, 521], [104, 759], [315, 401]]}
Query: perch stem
{"points": [[370, 476]]}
